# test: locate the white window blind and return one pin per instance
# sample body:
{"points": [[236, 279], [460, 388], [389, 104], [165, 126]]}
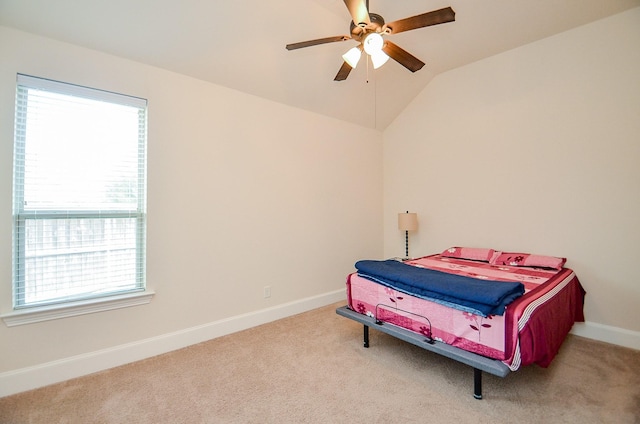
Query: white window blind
{"points": [[79, 199]]}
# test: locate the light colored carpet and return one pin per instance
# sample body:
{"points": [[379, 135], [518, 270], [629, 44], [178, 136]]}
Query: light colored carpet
{"points": [[312, 368]]}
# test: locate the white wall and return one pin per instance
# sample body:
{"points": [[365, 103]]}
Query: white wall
{"points": [[243, 193], [534, 150]]}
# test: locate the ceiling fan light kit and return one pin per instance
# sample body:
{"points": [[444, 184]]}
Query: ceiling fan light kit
{"points": [[352, 57], [368, 30]]}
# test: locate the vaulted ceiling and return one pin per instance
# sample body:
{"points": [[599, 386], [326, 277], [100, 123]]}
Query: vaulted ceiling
{"points": [[241, 44]]}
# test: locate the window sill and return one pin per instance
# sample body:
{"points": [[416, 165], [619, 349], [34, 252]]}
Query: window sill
{"points": [[51, 312]]}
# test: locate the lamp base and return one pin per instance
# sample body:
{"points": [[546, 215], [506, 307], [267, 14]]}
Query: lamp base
{"points": [[406, 244]]}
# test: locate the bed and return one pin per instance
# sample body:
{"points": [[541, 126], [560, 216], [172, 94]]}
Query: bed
{"points": [[494, 311]]}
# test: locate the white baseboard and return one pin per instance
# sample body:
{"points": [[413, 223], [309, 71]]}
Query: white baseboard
{"points": [[608, 334], [29, 378]]}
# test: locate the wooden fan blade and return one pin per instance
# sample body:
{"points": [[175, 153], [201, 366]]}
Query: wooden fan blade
{"points": [[310, 43], [343, 73], [358, 11], [420, 21], [402, 56]]}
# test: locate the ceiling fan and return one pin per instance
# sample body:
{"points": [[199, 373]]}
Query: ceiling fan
{"points": [[369, 28]]}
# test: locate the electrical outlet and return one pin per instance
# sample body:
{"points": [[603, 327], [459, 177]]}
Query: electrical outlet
{"points": [[267, 292]]}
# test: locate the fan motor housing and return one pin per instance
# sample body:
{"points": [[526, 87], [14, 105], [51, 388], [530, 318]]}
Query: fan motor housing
{"points": [[358, 32]]}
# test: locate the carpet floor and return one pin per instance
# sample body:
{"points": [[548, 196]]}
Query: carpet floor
{"points": [[312, 368]]}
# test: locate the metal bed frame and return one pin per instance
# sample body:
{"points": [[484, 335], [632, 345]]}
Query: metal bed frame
{"points": [[477, 362]]}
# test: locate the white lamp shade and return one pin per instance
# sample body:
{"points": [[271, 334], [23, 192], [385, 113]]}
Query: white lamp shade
{"points": [[352, 57], [373, 43], [408, 221], [378, 59]]}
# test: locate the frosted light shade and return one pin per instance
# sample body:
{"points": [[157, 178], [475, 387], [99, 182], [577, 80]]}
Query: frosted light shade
{"points": [[378, 59], [373, 43], [352, 57]]}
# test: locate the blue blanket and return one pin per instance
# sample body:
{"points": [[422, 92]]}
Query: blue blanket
{"points": [[481, 297]]}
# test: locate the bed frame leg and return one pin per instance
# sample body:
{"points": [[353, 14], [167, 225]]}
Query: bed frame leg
{"points": [[477, 383], [366, 336]]}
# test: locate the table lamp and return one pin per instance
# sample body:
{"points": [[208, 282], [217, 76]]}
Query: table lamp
{"points": [[407, 222]]}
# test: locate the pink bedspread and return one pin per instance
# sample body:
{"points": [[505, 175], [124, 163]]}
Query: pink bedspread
{"points": [[530, 331]]}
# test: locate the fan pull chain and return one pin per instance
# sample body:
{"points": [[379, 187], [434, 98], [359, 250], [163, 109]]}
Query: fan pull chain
{"points": [[375, 96], [367, 69], [375, 102]]}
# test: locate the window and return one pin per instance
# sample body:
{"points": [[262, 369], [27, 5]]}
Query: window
{"points": [[79, 198]]}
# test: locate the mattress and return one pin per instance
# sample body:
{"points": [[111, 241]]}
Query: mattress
{"points": [[530, 330]]}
